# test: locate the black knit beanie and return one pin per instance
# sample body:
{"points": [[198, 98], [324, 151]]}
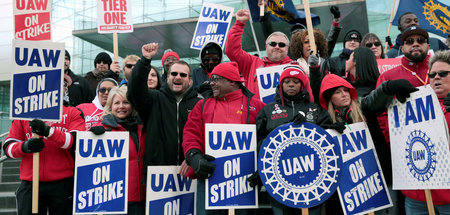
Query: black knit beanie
{"points": [[102, 57]]}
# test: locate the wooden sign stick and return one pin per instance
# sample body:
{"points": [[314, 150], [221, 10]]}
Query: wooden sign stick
{"points": [[35, 191], [116, 46], [305, 211], [429, 202], [309, 26]]}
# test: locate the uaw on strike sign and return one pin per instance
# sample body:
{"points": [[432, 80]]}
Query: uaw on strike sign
{"points": [[419, 142], [32, 19], [114, 16], [101, 173]]}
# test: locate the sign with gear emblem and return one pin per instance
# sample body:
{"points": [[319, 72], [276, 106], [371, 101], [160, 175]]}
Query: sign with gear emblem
{"points": [[299, 165]]}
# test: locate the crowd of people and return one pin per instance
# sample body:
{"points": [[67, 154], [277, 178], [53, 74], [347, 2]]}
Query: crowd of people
{"points": [[166, 113]]}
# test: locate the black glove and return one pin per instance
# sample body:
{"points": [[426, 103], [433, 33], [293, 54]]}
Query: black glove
{"points": [[388, 40], [254, 179], [98, 130], [200, 163], [400, 88], [33, 145], [39, 127], [338, 126], [205, 86], [299, 118], [335, 11], [313, 60], [447, 102]]}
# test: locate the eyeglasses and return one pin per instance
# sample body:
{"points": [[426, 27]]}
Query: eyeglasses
{"points": [[129, 65], [183, 75], [274, 44], [441, 74], [215, 78], [369, 45], [419, 40], [104, 89]]}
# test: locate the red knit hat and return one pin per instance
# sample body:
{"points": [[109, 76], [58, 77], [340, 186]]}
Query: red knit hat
{"points": [[228, 70], [296, 72], [168, 54]]}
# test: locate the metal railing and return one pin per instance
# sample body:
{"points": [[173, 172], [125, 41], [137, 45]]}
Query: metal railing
{"points": [[3, 157]]}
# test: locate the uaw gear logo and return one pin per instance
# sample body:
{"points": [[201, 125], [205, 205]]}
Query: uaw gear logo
{"points": [[299, 165], [437, 15], [420, 155]]}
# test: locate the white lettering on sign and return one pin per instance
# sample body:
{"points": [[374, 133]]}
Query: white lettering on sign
{"points": [[230, 188], [300, 164]]}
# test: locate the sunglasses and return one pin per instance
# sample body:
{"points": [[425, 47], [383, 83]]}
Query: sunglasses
{"points": [[274, 44], [419, 40], [174, 74], [441, 74], [368, 45], [104, 89], [215, 78], [129, 65], [215, 59]]}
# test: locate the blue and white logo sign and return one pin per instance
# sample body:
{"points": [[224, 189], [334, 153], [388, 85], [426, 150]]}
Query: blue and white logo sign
{"points": [[299, 165], [420, 155], [213, 25], [36, 82], [169, 193], [101, 173]]}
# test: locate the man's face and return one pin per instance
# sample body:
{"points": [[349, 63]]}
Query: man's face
{"points": [[440, 85], [178, 79], [102, 67], [408, 21], [66, 63], [210, 61], [221, 86], [415, 48], [277, 53], [129, 65], [168, 61], [352, 44]]}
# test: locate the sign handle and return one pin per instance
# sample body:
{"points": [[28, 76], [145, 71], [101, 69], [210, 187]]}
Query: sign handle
{"points": [[231, 212], [390, 25], [429, 202], [309, 25], [261, 9], [305, 211], [116, 46], [35, 191], [371, 213]]}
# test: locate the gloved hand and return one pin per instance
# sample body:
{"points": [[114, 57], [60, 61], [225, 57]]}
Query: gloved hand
{"points": [[33, 145], [388, 40], [254, 179], [299, 118], [313, 60], [338, 126], [204, 87], [98, 130], [400, 88], [447, 102], [200, 163], [39, 127], [335, 11]]}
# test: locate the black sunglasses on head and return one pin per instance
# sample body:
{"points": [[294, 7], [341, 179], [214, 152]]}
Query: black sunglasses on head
{"points": [[174, 74], [129, 65], [441, 74], [274, 44], [104, 89], [369, 45]]}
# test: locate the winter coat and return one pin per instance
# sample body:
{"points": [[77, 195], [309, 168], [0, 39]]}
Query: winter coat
{"points": [[201, 74], [94, 79], [336, 65], [79, 91]]}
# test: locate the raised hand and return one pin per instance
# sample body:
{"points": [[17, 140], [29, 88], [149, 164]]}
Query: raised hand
{"points": [[243, 15], [150, 50]]}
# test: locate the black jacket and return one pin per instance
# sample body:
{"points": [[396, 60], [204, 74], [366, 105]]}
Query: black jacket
{"points": [[79, 91], [163, 117], [336, 65]]}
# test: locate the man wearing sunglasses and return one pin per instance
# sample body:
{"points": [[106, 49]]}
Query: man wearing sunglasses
{"points": [[277, 45], [210, 56], [163, 112], [128, 65]]}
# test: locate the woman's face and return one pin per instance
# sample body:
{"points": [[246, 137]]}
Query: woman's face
{"points": [[374, 45], [120, 107], [291, 86], [341, 97], [152, 80], [103, 91], [306, 48]]}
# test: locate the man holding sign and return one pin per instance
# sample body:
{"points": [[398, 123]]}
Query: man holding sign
{"points": [[230, 102]]}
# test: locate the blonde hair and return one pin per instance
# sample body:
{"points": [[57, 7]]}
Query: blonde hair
{"points": [[116, 91], [355, 114], [129, 58]]}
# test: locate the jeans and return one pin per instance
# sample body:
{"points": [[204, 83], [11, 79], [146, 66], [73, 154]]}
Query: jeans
{"points": [[414, 207]]}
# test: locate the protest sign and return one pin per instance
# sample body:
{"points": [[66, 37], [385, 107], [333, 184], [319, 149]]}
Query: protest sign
{"points": [[299, 165], [388, 64], [169, 193], [362, 188], [419, 142], [36, 83], [32, 19], [234, 147], [212, 26], [114, 16], [101, 173]]}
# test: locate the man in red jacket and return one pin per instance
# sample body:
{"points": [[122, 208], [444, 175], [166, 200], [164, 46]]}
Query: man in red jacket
{"points": [[277, 46], [229, 102]]}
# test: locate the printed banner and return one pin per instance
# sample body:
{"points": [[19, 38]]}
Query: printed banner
{"points": [[268, 79], [281, 11], [37, 80], [101, 173], [169, 193], [234, 147], [362, 188], [213, 25], [299, 165], [419, 142], [32, 19], [388, 64], [114, 16]]}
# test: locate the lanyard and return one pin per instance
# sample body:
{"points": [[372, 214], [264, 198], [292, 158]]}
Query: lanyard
{"points": [[415, 74]]}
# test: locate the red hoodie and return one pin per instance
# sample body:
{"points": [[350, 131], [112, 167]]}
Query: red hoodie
{"points": [[331, 81]]}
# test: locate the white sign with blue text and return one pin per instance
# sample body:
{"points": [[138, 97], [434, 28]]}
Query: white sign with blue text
{"points": [[36, 82], [212, 26], [234, 147], [169, 193], [101, 173], [362, 188], [419, 142]]}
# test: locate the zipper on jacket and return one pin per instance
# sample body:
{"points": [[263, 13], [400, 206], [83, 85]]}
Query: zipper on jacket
{"points": [[293, 109], [178, 129]]}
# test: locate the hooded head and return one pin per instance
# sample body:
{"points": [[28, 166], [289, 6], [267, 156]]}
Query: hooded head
{"points": [[103, 57], [211, 55], [331, 83]]}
